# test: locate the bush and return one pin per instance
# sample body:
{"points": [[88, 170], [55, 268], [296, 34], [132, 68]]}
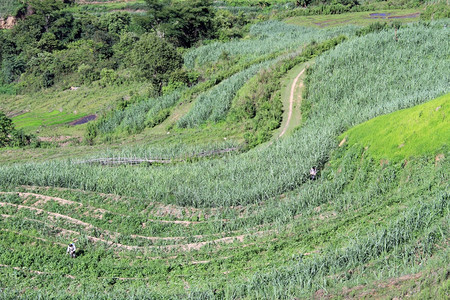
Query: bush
{"points": [[109, 77], [6, 128], [87, 74], [436, 11], [154, 59], [10, 137]]}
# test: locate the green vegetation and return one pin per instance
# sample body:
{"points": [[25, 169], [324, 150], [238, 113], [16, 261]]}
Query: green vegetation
{"points": [[415, 131], [32, 110], [9, 7], [270, 37], [57, 46], [135, 118], [436, 10], [358, 18], [182, 188], [338, 217], [355, 80], [10, 137], [185, 23], [214, 104]]}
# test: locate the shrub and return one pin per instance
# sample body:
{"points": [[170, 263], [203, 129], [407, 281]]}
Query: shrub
{"points": [[154, 59], [10, 137], [109, 77]]}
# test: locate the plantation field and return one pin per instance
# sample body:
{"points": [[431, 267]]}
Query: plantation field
{"points": [[138, 251], [204, 191], [358, 18]]}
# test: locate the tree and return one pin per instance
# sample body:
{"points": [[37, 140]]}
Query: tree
{"points": [[154, 59], [302, 3], [12, 67], [183, 23], [47, 16], [115, 22], [11, 137], [6, 130]]}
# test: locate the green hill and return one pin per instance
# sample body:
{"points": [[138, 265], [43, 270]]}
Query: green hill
{"points": [[181, 188], [420, 130]]}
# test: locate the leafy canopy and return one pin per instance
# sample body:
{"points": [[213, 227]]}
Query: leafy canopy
{"points": [[184, 22], [154, 59]]}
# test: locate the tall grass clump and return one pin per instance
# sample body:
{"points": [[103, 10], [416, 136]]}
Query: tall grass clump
{"points": [[356, 81], [133, 119], [214, 104], [267, 37]]}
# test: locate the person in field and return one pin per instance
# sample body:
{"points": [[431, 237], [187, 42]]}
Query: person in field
{"points": [[71, 250], [313, 173]]}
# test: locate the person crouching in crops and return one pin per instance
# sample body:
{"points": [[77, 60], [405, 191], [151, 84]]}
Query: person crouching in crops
{"points": [[71, 250], [313, 173]]}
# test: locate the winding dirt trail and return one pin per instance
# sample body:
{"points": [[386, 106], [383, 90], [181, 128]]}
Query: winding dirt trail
{"points": [[291, 101]]}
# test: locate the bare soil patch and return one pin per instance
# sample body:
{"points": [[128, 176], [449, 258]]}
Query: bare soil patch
{"points": [[7, 23], [291, 101]]}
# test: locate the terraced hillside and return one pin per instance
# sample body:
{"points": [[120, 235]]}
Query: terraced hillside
{"points": [[250, 224]]}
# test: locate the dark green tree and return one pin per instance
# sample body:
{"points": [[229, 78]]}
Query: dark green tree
{"points": [[115, 22], [12, 67], [47, 16], [10, 137], [154, 59], [6, 130], [302, 3], [182, 22]]}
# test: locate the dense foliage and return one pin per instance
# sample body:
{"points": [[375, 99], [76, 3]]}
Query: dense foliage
{"points": [[54, 45], [10, 137], [183, 22], [9, 7]]}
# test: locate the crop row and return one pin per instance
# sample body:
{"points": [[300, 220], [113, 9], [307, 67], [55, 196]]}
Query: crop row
{"points": [[411, 232], [214, 104], [143, 114], [268, 37]]}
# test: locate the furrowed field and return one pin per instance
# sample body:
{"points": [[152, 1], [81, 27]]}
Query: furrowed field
{"points": [[221, 204]]}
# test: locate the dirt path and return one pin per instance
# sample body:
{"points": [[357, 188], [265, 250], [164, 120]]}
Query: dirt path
{"points": [[291, 101], [183, 246], [43, 199], [72, 220]]}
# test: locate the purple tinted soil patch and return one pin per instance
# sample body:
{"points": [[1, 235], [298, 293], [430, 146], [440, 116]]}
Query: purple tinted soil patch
{"points": [[379, 15], [83, 120]]}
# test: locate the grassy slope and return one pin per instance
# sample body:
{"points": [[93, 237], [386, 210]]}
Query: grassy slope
{"points": [[357, 18], [416, 131], [51, 110], [336, 217]]}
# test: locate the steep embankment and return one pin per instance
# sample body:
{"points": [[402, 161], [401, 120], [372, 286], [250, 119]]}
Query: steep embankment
{"points": [[420, 130]]}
